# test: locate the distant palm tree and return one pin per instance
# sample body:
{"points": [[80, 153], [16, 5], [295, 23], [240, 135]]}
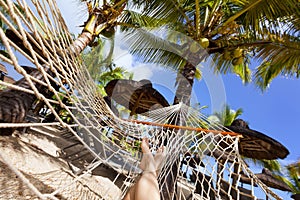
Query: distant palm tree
{"points": [[103, 70], [294, 176], [226, 116], [99, 21], [291, 177], [101, 67]]}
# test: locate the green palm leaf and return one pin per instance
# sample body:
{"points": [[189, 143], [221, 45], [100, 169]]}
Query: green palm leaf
{"points": [[133, 19], [227, 115], [279, 59], [169, 10], [226, 66], [148, 47], [260, 14]]}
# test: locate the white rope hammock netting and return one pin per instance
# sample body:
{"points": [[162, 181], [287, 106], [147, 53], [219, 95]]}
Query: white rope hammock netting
{"points": [[96, 155]]}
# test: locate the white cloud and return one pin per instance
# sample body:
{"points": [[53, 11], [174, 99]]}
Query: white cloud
{"points": [[142, 71], [74, 13]]}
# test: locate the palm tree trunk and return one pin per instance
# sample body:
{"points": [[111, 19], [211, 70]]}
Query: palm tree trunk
{"points": [[185, 81]]}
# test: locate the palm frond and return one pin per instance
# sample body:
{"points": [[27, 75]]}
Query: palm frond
{"points": [[131, 18], [237, 113], [169, 10], [116, 73], [293, 177], [279, 59], [148, 47], [292, 25], [94, 59], [272, 165], [221, 65], [224, 66], [244, 72], [227, 115], [267, 13]]}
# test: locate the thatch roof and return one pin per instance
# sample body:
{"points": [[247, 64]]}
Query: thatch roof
{"points": [[268, 178], [137, 96], [296, 196], [9, 79], [243, 178], [3, 69], [192, 159], [257, 145]]}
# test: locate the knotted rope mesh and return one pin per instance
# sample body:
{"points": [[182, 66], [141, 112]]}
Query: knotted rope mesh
{"points": [[92, 154]]}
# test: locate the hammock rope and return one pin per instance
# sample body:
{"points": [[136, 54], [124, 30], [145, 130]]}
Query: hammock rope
{"points": [[35, 34]]}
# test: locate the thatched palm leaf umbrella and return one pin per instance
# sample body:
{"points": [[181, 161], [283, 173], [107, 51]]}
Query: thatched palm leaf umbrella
{"points": [[15, 104], [3, 75], [255, 144], [268, 178], [3, 69], [296, 196], [243, 178], [9, 79], [137, 96]]}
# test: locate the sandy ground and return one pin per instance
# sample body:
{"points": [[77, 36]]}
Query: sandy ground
{"points": [[38, 157]]}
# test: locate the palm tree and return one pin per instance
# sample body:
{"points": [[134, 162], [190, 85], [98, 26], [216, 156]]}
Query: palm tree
{"points": [[233, 33], [102, 69], [226, 116], [293, 179]]}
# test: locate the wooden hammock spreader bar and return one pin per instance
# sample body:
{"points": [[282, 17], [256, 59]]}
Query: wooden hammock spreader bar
{"points": [[184, 127]]}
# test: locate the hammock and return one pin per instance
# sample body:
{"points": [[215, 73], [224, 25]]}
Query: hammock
{"points": [[208, 163]]}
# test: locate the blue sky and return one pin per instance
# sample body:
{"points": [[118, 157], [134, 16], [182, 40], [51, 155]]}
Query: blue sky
{"points": [[275, 112]]}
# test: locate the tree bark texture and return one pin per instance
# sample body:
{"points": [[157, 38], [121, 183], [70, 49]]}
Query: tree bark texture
{"points": [[185, 81]]}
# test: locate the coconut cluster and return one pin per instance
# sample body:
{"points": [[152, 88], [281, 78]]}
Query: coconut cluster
{"points": [[236, 56], [196, 46]]}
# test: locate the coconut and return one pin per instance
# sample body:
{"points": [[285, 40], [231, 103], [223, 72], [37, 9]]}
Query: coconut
{"points": [[108, 32], [204, 42]]}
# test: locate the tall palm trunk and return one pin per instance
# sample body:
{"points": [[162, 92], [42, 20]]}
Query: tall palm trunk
{"points": [[185, 81]]}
